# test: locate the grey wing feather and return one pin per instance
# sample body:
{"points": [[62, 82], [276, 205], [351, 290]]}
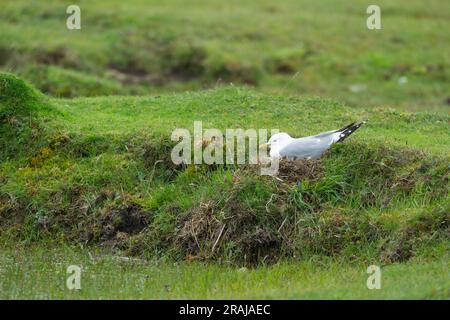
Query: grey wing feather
{"points": [[309, 147], [324, 134]]}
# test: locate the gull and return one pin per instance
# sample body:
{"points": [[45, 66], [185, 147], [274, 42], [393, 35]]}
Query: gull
{"points": [[312, 147]]}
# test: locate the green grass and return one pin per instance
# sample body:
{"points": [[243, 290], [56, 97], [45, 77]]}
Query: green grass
{"points": [[294, 47], [40, 273], [92, 173], [97, 171]]}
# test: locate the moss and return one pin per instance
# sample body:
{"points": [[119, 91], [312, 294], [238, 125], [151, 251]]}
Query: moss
{"points": [[17, 98], [20, 125]]}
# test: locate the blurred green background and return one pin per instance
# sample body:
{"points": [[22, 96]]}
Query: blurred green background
{"points": [[314, 48]]}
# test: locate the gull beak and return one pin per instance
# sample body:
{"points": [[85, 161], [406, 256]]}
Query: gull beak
{"points": [[264, 145]]}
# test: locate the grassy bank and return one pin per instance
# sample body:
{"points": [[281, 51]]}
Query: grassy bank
{"points": [[97, 172]]}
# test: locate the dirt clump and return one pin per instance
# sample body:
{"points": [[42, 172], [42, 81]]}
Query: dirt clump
{"points": [[129, 219], [298, 170], [115, 226], [226, 230]]}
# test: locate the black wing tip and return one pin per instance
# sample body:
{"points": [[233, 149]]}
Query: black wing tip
{"points": [[348, 130], [360, 123]]}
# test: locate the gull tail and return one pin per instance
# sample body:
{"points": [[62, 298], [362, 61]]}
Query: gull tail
{"points": [[348, 130]]}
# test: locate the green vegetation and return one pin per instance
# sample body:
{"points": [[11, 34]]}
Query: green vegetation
{"points": [[98, 171], [40, 273], [298, 47], [86, 176]]}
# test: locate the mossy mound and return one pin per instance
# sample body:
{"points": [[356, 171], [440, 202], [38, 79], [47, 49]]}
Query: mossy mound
{"points": [[19, 123], [17, 98]]}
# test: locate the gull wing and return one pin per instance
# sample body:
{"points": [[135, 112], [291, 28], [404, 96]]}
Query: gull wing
{"points": [[313, 147], [309, 147]]}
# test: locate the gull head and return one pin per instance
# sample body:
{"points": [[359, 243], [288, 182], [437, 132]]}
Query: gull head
{"points": [[277, 142]]}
